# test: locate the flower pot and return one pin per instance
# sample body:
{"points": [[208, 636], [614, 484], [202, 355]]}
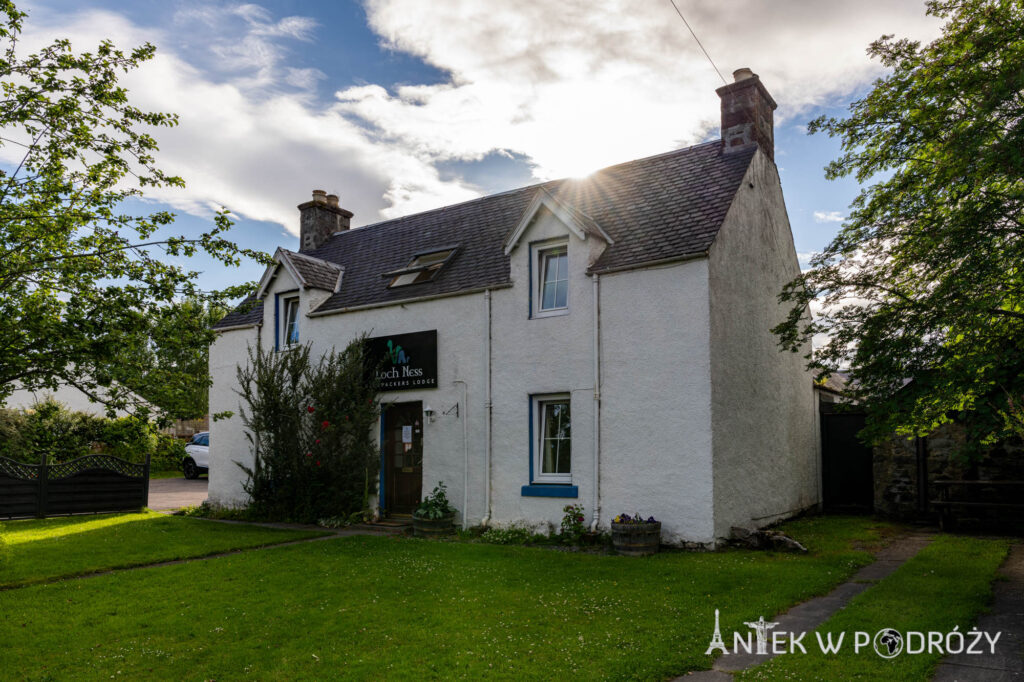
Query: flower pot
{"points": [[433, 528], [636, 539]]}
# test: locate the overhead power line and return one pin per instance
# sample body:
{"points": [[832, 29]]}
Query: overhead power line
{"points": [[712, 62]]}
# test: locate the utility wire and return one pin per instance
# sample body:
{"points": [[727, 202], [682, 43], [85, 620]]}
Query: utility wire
{"points": [[676, 7]]}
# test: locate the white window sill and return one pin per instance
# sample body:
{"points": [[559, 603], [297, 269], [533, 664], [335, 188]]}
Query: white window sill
{"points": [[556, 312]]}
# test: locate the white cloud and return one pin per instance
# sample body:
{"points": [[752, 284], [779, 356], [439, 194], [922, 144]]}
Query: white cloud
{"points": [[828, 217], [570, 86], [249, 142], [576, 85]]}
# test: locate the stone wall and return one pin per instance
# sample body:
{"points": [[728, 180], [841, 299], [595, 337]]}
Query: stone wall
{"points": [[897, 469]]}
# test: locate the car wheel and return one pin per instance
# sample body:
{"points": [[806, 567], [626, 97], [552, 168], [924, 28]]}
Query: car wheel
{"points": [[190, 468]]}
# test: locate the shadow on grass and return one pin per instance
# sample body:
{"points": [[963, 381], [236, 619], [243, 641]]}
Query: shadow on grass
{"points": [[47, 549]]}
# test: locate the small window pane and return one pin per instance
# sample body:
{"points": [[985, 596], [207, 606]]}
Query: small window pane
{"points": [[549, 296], [561, 294], [563, 266], [550, 268]]}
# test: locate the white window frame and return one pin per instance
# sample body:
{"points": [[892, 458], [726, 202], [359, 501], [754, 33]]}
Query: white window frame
{"points": [[286, 302], [540, 254], [539, 401]]}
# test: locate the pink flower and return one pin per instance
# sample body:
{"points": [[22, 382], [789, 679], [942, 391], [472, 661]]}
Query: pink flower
{"points": [[310, 409], [324, 424], [318, 441], [309, 454], [318, 462]]}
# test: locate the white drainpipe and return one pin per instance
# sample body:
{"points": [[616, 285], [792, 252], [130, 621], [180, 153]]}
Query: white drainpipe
{"points": [[597, 404], [464, 414], [487, 414]]}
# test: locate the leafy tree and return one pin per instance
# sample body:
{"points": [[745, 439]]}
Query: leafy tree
{"points": [[82, 279], [166, 364], [924, 281]]}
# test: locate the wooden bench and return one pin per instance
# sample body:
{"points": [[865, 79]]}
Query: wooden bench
{"points": [[997, 498]]}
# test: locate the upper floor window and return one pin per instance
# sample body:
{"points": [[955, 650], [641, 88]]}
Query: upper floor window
{"points": [[552, 281], [422, 268], [290, 316]]}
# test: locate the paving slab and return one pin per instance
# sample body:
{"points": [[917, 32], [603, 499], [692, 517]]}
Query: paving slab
{"points": [[175, 493], [810, 614], [1007, 617]]}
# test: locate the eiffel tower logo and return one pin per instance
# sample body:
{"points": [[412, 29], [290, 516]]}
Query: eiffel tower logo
{"points": [[716, 640]]}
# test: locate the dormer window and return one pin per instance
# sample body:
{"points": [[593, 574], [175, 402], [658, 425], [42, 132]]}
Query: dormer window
{"points": [[550, 285], [422, 268]]}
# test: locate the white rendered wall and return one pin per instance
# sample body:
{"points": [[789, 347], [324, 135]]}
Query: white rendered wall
{"points": [[763, 410], [459, 322], [656, 415], [227, 438]]}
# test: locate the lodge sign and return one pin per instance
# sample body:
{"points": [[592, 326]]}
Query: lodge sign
{"points": [[407, 361]]}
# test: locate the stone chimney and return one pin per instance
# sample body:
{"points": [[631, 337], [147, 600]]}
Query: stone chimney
{"points": [[747, 113], [320, 218]]}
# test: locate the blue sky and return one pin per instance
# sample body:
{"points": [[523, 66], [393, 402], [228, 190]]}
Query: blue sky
{"points": [[403, 105]]}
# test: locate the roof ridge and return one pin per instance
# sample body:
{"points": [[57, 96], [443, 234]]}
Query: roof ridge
{"points": [[291, 253], [538, 185]]}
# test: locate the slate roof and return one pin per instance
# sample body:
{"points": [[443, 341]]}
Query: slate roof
{"points": [[654, 209], [314, 272]]}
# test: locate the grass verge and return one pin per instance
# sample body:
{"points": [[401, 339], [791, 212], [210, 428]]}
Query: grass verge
{"points": [[38, 550], [946, 585], [388, 607], [169, 473]]}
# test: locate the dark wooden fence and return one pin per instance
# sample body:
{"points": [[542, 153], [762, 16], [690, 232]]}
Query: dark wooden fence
{"points": [[90, 484]]}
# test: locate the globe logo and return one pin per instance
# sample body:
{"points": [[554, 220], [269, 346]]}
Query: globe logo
{"points": [[888, 643]]}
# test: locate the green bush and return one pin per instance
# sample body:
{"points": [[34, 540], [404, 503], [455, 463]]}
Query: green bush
{"points": [[310, 430], [12, 434], [49, 428], [167, 453]]}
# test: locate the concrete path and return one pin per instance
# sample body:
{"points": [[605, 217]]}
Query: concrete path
{"points": [[811, 614], [175, 493], [1007, 617]]}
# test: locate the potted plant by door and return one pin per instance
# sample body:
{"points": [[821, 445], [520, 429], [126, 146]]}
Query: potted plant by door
{"points": [[636, 536], [435, 516]]}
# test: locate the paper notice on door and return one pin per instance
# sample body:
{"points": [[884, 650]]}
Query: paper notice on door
{"points": [[407, 434]]}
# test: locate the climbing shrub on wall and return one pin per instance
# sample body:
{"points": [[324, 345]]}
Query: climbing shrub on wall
{"points": [[310, 429]]}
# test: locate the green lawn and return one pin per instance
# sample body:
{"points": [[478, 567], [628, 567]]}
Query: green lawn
{"points": [[946, 585], [39, 550], [385, 607]]}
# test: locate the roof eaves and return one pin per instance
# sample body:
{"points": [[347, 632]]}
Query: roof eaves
{"points": [[682, 258]]}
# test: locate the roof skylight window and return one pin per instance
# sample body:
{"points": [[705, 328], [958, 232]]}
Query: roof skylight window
{"points": [[422, 268]]}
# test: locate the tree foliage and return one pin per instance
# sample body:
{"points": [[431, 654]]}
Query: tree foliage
{"points": [[309, 426], [82, 279], [166, 363], [924, 281]]}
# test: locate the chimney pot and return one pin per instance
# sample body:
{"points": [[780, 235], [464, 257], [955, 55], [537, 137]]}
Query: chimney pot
{"points": [[742, 74], [332, 200], [747, 117], [319, 196]]}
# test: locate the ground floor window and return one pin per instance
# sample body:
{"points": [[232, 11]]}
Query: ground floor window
{"points": [[553, 439]]}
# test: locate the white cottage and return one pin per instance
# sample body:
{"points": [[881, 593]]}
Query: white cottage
{"points": [[603, 341]]}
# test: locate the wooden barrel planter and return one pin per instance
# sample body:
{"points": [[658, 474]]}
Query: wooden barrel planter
{"points": [[636, 539], [433, 528]]}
